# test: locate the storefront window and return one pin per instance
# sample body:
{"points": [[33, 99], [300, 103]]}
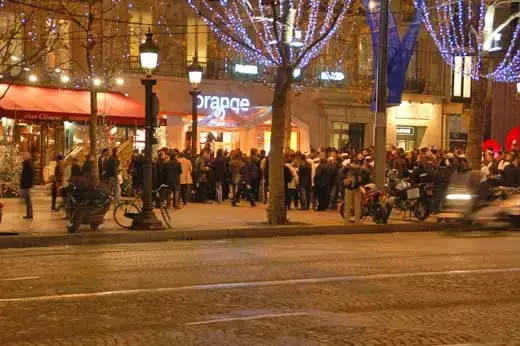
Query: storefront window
{"points": [[347, 135], [59, 57], [406, 137], [294, 143], [7, 131]]}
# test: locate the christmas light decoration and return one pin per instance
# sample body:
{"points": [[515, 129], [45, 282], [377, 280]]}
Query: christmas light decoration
{"points": [[289, 33], [464, 28]]}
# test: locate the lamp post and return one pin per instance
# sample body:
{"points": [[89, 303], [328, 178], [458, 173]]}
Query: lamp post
{"points": [[195, 77], [149, 55], [381, 95]]}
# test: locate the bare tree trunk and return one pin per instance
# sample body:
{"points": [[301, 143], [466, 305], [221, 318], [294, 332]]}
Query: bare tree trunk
{"points": [[276, 212], [476, 122], [93, 93], [288, 128], [92, 130]]}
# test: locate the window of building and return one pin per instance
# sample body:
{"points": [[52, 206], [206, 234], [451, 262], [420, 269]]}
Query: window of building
{"points": [[347, 135], [10, 43], [59, 39], [197, 37], [461, 82], [140, 21], [365, 56]]}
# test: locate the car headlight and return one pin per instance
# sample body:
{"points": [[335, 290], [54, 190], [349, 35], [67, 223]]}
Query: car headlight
{"points": [[458, 197]]}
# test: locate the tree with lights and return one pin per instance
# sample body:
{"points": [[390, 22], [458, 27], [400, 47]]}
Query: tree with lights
{"points": [[284, 35], [19, 23], [470, 41]]}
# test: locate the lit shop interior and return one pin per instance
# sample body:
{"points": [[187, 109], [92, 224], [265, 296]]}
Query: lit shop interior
{"points": [[227, 129]]}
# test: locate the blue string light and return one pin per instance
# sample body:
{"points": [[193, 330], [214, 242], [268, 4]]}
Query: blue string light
{"points": [[252, 29], [453, 34]]}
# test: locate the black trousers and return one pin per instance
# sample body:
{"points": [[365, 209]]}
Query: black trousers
{"points": [[323, 197], [54, 194], [290, 196], [244, 189]]}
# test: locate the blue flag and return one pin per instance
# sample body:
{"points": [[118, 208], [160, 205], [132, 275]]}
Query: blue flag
{"points": [[399, 53]]}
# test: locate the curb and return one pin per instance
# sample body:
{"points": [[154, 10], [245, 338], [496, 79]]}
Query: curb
{"points": [[98, 238]]}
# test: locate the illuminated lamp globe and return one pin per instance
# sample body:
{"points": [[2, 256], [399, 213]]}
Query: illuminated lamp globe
{"points": [[195, 73], [149, 53]]}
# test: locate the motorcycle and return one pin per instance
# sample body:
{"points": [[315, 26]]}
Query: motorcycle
{"points": [[86, 206], [501, 208], [406, 196], [372, 205]]}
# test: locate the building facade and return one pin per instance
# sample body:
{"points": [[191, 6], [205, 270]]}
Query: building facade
{"points": [[331, 101]]}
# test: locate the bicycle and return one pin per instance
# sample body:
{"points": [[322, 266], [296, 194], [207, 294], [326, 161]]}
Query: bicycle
{"points": [[125, 212]]}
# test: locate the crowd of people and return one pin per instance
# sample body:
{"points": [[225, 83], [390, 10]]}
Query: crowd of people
{"points": [[316, 180]]}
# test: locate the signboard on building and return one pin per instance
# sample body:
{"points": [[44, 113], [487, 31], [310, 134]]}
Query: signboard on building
{"points": [[405, 130], [214, 103]]}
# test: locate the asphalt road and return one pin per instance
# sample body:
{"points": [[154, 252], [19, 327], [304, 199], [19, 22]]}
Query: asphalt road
{"points": [[393, 289]]}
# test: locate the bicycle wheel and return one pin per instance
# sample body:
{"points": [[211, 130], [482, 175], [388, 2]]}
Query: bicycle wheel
{"points": [[124, 214], [166, 217]]}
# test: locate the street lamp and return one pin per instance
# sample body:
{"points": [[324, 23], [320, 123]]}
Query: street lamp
{"points": [[195, 77], [149, 56]]}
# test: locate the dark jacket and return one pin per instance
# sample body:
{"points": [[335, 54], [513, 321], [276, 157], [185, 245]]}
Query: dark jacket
{"points": [[101, 167], [160, 173], [304, 175], [246, 173], [75, 170], [137, 171], [353, 176], [26, 181], [323, 177], [219, 168], [88, 168], [111, 167], [172, 174], [511, 176]]}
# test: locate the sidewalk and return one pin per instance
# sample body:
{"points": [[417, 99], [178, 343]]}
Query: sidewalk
{"points": [[194, 221]]}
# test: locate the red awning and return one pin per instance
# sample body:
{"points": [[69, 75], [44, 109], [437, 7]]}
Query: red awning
{"points": [[38, 103]]}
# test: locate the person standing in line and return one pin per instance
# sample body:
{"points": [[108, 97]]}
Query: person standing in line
{"points": [[59, 175], [315, 161], [244, 186], [173, 178], [219, 173], [186, 178], [235, 166], [101, 166], [75, 168], [88, 166], [264, 186], [322, 180], [304, 176], [26, 184], [353, 182], [111, 172], [291, 187]]}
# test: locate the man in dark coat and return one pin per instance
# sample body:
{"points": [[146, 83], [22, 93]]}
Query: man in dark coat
{"points": [[322, 181], [219, 166], [304, 177], [26, 184], [172, 177], [75, 168], [244, 187], [136, 170]]}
